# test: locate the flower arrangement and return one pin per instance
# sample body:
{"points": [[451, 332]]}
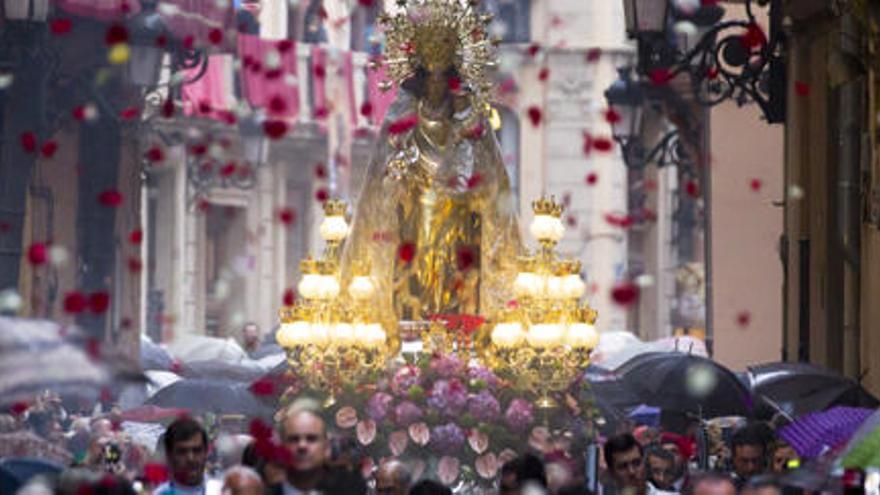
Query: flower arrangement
{"points": [[452, 420]]}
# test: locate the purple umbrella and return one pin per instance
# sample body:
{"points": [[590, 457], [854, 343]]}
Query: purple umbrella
{"points": [[813, 433]]}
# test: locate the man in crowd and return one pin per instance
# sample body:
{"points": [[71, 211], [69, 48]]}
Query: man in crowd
{"points": [[761, 485], [623, 456], [661, 469], [749, 449], [186, 451], [393, 478], [712, 483], [783, 455], [304, 433], [242, 480], [250, 336]]}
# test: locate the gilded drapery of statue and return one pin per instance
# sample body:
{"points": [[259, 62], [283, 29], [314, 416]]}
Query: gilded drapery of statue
{"points": [[436, 219]]}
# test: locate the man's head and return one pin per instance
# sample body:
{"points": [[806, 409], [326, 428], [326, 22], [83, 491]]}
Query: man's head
{"points": [[507, 484], [250, 335], [661, 468], [748, 446], [623, 456], [711, 483], [783, 454], [393, 478], [761, 485], [304, 433], [186, 449], [242, 480]]}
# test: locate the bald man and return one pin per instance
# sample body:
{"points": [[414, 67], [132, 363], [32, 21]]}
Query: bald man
{"points": [[393, 478], [242, 480]]}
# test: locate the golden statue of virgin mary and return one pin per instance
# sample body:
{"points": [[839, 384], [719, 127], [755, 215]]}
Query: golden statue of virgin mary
{"points": [[436, 224]]}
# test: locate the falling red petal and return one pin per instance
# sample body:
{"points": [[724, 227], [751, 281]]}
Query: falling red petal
{"points": [[754, 38], [594, 54], [619, 220], [284, 46], [168, 108], [543, 74], [319, 71], [366, 109], [625, 293], [228, 170], [692, 188], [603, 144], [322, 195], [110, 198], [48, 149], [465, 258], [155, 473], [474, 180], [287, 216], [454, 84], [61, 26], [99, 302], [135, 265], [37, 254], [660, 77], [275, 129], [592, 178], [136, 236], [802, 88], [534, 113], [289, 297], [215, 36], [571, 221], [320, 171], [28, 141], [155, 154], [403, 124], [262, 387], [612, 116], [116, 34], [277, 105], [743, 318], [161, 41], [129, 113], [588, 143], [533, 49], [75, 302], [755, 184], [406, 252]]}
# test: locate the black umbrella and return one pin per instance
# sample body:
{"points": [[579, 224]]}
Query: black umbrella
{"points": [[686, 383], [211, 396], [611, 395], [16, 472], [215, 369], [800, 388]]}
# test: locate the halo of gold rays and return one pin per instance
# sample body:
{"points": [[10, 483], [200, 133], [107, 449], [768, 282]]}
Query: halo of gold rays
{"points": [[420, 21]]}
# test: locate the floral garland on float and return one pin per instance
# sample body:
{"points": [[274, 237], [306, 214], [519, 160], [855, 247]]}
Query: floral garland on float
{"points": [[449, 417]]}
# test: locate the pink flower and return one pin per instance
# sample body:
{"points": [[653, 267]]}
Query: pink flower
{"points": [[378, 405], [447, 365], [448, 397], [404, 378], [483, 406], [519, 414], [407, 413]]}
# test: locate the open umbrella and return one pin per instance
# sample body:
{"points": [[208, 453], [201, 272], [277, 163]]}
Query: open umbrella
{"points": [[152, 414], [211, 396], [16, 472], [863, 450], [801, 388], [813, 433], [243, 371], [202, 348], [686, 383], [34, 357], [153, 356]]}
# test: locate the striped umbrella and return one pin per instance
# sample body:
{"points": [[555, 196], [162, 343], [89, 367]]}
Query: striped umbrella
{"points": [[813, 434], [35, 356]]}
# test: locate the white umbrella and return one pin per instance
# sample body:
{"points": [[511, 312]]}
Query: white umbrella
{"points": [[35, 356], [202, 348], [616, 348]]}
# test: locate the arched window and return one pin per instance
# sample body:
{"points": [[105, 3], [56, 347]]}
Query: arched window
{"points": [[511, 19]]}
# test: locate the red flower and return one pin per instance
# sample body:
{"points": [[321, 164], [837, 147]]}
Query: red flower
{"points": [[28, 141], [406, 252], [136, 236], [215, 36], [61, 26], [262, 387], [110, 198], [289, 297], [625, 293], [275, 129], [534, 113], [37, 254], [592, 178], [48, 149], [75, 302], [116, 34], [403, 124], [99, 302]]}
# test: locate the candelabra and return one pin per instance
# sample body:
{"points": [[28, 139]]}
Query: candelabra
{"points": [[330, 338], [543, 340]]}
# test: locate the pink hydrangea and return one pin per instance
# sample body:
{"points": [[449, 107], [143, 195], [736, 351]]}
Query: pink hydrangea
{"points": [[484, 406], [448, 397], [447, 439], [378, 405], [447, 365], [407, 413], [405, 378], [519, 414]]}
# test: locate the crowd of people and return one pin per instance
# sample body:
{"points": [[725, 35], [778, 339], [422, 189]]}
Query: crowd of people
{"points": [[301, 455]]}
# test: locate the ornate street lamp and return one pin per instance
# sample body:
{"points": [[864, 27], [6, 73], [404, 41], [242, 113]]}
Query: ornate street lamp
{"points": [[730, 60]]}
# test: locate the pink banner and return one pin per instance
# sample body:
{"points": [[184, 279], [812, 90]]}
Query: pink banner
{"points": [[199, 22], [102, 10], [210, 96], [264, 84], [379, 100], [319, 76]]}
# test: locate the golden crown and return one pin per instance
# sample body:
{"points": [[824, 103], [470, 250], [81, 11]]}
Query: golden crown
{"points": [[419, 32], [335, 208], [547, 206]]}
